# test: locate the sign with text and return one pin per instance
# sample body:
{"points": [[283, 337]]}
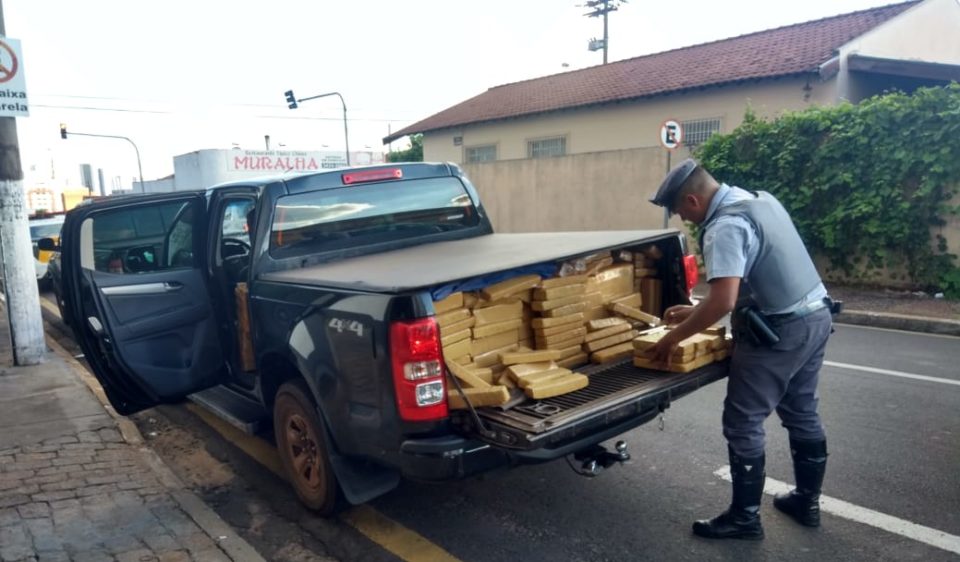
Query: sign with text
{"points": [[280, 161], [671, 134], [13, 86]]}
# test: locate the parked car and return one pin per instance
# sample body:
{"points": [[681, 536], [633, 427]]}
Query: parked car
{"points": [[46, 227]]}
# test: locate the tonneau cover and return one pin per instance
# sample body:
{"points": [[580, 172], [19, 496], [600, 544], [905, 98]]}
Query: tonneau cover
{"points": [[429, 265]]}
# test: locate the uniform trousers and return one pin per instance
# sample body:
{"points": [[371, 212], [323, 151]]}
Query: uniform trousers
{"points": [[784, 377]]}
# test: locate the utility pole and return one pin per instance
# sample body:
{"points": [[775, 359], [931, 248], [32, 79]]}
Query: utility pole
{"points": [[293, 102], [602, 8], [19, 279]]}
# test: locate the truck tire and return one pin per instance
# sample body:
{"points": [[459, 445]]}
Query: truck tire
{"points": [[302, 443]]}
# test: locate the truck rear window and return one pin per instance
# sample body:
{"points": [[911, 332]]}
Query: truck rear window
{"points": [[357, 215]]}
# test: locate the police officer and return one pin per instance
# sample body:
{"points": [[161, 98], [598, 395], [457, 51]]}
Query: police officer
{"points": [[758, 268]]}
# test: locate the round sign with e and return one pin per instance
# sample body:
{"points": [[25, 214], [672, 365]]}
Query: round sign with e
{"points": [[671, 134]]}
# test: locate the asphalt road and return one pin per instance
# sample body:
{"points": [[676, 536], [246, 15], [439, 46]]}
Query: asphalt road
{"points": [[894, 450]]}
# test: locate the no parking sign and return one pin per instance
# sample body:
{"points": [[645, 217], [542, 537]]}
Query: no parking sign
{"points": [[671, 134], [13, 86]]}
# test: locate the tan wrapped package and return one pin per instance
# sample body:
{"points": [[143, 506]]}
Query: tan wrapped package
{"points": [[542, 306], [470, 300], [575, 360], [465, 376], [554, 330], [498, 313], [611, 354], [593, 299], [563, 281], [448, 338], [556, 387], [607, 332], [458, 326], [478, 397], [634, 313], [569, 351], [560, 344], [596, 313], [568, 310], [523, 381], [452, 317], [523, 369], [484, 303], [610, 341], [644, 272], [483, 345], [557, 321], [551, 341], [721, 354], [645, 363], [454, 301], [614, 281], [633, 299], [559, 292], [603, 324], [510, 287], [717, 330], [652, 252], [458, 349], [514, 357], [651, 289], [487, 330], [492, 358], [596, 266]]}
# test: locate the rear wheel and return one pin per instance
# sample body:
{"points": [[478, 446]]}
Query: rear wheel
{"points": [[302, 444]]}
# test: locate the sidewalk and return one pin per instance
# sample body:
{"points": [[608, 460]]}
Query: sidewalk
{"points": [[78, 484]]}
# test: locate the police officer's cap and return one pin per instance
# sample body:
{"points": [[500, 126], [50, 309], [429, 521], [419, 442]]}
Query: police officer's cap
{"points": [[670, 188]]}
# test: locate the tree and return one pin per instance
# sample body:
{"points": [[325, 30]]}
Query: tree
{"points": [[412, 154]]}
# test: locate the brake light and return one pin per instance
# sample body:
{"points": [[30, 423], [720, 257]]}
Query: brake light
{"points": [[418, 370], [372, 175], [690, 272]]}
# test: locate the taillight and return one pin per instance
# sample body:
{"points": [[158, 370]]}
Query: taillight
{"points": [[690, 272], [418, 370]]}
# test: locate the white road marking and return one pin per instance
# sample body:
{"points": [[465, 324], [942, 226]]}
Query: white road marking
{"points": [[894, 330], [889, 523], [890, 373]]}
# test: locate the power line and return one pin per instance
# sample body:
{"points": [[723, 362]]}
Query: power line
{"points": [[160, 112]]}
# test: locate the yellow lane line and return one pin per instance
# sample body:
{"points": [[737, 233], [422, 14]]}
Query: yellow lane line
{"points": [[400, 541]]}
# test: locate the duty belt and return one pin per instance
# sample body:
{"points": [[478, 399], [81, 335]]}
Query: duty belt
{"points": [[809, 308]]}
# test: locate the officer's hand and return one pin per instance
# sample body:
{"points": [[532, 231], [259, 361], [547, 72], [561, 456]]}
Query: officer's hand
{"points": [[677, 314], [663, 349]]}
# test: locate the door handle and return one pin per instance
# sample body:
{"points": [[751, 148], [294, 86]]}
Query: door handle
{"points": [[143, 289], [172, 286]]}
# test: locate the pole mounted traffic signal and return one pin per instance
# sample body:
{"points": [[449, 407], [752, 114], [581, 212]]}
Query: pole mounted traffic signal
{"points": [[291, 99], [63, 130]]}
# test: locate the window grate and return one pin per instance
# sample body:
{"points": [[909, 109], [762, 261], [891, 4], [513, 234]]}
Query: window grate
{"points": [[484, 153], [544, 148], [698, 131]]}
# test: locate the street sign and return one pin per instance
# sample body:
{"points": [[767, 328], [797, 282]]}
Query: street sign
{"points": [[671, 134], [13, 86]]}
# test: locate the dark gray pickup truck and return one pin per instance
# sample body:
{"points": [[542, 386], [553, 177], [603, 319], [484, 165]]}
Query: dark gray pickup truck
{"points": [[339, 268]]}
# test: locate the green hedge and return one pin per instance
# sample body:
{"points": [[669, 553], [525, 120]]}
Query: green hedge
{"points": [[864, 183]]}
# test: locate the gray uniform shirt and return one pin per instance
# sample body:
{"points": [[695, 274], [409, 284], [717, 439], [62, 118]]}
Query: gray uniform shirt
{"points": [[731, 246]]}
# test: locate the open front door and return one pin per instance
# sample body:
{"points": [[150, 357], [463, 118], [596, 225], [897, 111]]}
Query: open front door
{"points": [[136, 290]]}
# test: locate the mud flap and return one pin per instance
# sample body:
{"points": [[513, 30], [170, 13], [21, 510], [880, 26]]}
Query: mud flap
{"points": [[362, 481]]}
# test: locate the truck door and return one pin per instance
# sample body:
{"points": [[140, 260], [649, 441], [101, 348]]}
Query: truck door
{"points": [[135, 284]]}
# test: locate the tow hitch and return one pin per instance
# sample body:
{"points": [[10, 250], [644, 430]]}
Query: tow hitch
{"points": [[595, 459]]}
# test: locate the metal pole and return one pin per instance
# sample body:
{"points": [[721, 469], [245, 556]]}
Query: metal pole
{"points": [[19, 278], [135, 149], [666, 210], [606, 10], [346, 136]]}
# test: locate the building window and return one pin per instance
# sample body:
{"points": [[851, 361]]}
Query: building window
{"points": [[484, 153], [543, 148], [698, 131]]}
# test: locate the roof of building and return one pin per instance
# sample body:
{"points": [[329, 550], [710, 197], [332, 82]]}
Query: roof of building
{"points": [[774, 53]]}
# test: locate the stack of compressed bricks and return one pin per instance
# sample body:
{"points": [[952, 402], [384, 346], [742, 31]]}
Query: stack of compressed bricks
{"points": [[692, 353], [646, 278], [559, 305]]}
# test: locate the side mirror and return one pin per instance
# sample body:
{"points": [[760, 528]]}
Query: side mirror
{"points": [[48, 245]]}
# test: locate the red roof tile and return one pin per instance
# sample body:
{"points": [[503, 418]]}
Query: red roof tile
{"points": [[789, 50]]}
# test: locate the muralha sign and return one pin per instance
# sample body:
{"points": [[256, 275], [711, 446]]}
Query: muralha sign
{"points": [[283, 161]]}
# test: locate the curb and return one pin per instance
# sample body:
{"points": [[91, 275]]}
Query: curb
{"points": [[904, 322], [232, 544]]}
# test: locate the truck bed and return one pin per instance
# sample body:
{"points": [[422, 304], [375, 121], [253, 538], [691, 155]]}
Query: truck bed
{"points": [[618, 392], [431, 265]]}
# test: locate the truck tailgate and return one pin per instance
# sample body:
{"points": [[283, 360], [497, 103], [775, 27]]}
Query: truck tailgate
{"points": [[618, 394]]}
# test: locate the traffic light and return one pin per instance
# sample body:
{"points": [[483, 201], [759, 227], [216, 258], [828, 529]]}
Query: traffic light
{"points": [[63, 130], [291, 99]]}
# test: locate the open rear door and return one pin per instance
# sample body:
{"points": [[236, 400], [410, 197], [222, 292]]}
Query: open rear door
{"points": [[136, 288]]}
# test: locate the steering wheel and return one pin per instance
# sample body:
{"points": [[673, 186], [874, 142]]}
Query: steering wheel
{"points": [[234, 247]]}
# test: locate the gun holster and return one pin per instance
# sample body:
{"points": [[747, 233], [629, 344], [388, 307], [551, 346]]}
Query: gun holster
{"points": [[754, 327]]}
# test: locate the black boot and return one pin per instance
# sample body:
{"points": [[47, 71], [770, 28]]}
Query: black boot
{"points": [[742, 519], [809, 464]]}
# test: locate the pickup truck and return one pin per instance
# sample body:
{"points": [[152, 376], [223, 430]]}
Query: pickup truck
{"points": [[339, 270]]}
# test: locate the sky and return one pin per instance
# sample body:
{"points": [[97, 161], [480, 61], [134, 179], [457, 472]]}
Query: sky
{"points": [[182, 75]]}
